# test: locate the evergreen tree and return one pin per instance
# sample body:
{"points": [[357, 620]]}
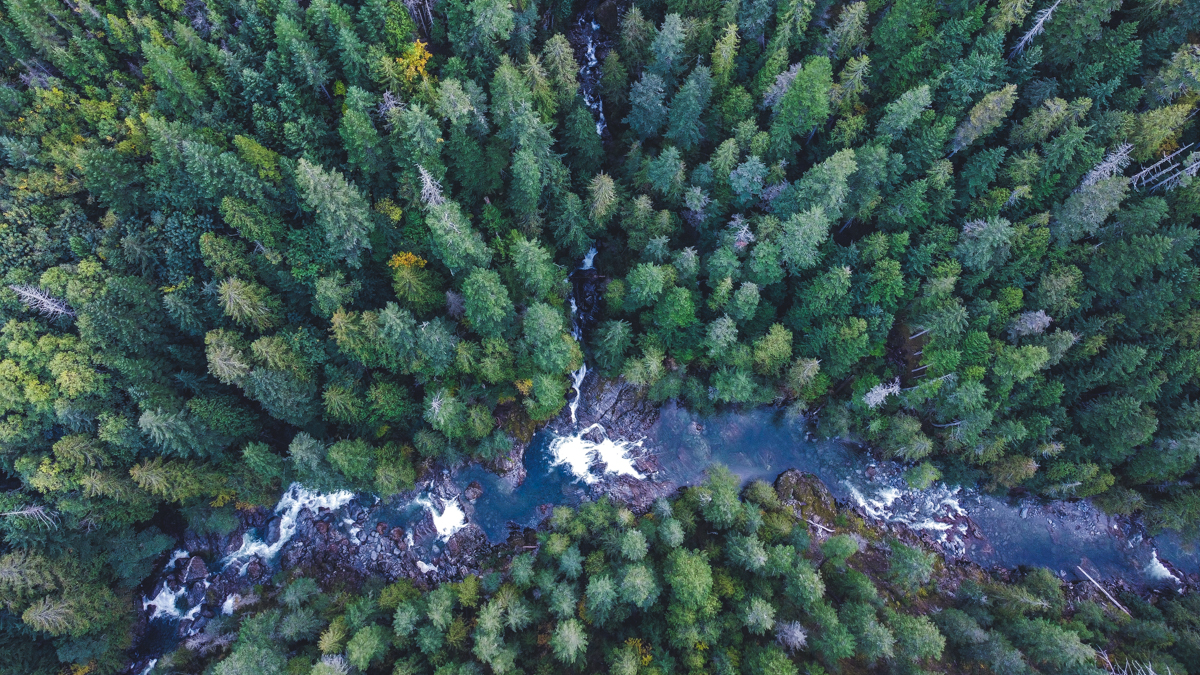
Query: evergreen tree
{"points": [[339, 209], [687, 108], [648, 112], [984, 118]]}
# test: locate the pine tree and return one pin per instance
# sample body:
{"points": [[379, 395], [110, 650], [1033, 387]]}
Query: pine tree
{"points": [[249, 304], [454, 241], [560, 67], [803, 107], [488, 309], [582, 142], [666, 49], [849, 36], [636, 35], [687, 107], [800, 241], [1086, 209], [985, 245], [723, 55], [603, 199]]}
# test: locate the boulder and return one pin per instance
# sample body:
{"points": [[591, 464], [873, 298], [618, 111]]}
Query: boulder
{"points": [[474, 491], [195, 570], [273, 530], [807, 494]]}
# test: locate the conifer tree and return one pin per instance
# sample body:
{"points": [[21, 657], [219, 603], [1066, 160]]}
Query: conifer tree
{"points": [[339, 208], [984, 118], [687, 107], [648, 112]]}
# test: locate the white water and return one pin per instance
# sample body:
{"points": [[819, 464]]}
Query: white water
{"points": [[1158, 571], [164, 603], [592, 66], [150, 666], [936, 509], [295, 500], [578, 376], [579, 454], [450, 520], [577, 383], [176, 557], [230, 604]]}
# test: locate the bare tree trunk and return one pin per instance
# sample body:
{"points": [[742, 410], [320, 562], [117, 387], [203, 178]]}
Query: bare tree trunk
{"points": [[1102, 590]]}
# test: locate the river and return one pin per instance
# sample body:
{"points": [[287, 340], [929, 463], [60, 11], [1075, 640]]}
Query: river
{"points": [[567, 463]]}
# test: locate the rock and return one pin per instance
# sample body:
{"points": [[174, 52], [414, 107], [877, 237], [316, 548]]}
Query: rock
{"points": [[196, 594], [322, 527], [474, 491], [466, 542], [397, 535], [608, 16], [808, 494], [255, 569], [273, 530], [196, 569], [232, 542], [638, 495]]}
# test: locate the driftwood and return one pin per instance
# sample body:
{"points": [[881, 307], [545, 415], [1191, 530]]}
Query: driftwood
{"points": [[818, 525], [1102, 590]]}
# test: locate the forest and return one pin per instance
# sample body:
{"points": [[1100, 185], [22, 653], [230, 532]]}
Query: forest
{"points": [[246, 243]]}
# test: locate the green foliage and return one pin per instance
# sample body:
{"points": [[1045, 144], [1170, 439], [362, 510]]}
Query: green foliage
{"points": [[910, 568], [221, 219]]}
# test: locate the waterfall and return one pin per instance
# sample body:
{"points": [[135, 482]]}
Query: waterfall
{"points": [[165, 602], [578, 376], [577, 454], [1157, 571], [590, 71], [937, 509], [450, 520], [577, 380]]}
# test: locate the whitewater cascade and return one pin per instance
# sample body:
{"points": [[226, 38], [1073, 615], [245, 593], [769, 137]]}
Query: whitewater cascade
{"points": [[937, 509], [578, 455], [1157, 571], [577, 333], [590, 71], [295, 500], [451, 519]]}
